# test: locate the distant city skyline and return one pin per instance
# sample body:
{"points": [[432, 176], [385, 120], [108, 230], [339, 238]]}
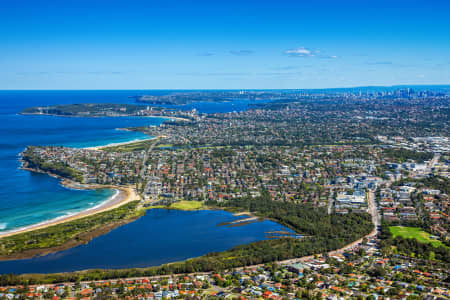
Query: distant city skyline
{"points": [[228, 45]]}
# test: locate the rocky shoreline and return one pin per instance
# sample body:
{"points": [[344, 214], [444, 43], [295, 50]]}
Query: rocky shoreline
{"points": [[125, 195]]}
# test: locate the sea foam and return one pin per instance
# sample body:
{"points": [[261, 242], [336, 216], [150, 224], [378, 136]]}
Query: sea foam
{"points": [[3, 226]]}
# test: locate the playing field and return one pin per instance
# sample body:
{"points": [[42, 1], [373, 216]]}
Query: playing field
{"points": [[187, 205], [414, 232]]}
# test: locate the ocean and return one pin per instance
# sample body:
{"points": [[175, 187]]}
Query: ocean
{"points": [[28, 198]]}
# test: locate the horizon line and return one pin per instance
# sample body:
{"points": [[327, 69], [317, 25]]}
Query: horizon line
{"points": [[239, 89]]}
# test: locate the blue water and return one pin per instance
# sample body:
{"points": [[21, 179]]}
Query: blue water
{"points": [[161, 236], [217, 107], [28, 198]]}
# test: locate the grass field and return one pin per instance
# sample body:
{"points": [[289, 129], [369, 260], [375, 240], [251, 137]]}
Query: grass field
{"points": [[414, 232], [187, 205], [155, 207], [131, 147], [57, 235], [165, 146]]}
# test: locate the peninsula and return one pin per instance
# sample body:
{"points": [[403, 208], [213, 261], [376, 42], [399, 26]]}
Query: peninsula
{"points": [[106, 110], [330, 169], [225, 150]]}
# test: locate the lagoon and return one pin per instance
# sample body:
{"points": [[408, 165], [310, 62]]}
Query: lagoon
{"points": [[28, 198], [161, 236]]}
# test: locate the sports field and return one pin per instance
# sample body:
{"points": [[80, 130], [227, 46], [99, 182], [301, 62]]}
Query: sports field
{"points": [[414, 232], [187, 205]]}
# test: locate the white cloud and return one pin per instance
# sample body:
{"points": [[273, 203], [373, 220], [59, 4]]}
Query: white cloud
{"points": [[300, 52], [306, 52]]}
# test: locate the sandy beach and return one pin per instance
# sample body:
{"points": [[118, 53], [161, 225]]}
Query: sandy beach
{"points": [[123, 143], [119, 144], [123, 196], [178, 119]]}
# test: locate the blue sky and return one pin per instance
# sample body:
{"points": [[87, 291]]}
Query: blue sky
{"points": [[214, 44]]}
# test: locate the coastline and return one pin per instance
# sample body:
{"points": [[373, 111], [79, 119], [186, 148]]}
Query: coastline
{"points": [[99, 148], [178, 119], [123, 195], [115, 116]]}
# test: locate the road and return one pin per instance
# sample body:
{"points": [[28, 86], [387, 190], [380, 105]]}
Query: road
{"points": [[144, 168], [432, 162], [373, 210], [330, 202]]}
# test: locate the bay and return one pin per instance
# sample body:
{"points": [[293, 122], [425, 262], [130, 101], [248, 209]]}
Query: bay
{"points": [[28, 198]]}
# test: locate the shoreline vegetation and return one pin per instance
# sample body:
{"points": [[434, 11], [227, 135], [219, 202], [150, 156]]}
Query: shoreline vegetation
{"points": [[123, 196], [66, 234], [120, 209], [322, 233], [134, 145], [98, 110], [126, 193], [72, 230], [112, 146], [81, 228]]}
